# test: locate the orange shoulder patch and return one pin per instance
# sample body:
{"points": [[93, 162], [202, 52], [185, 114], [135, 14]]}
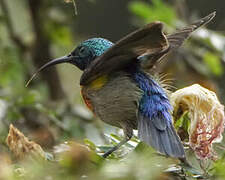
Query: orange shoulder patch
{"points": [[99, 82], [87, 101]]}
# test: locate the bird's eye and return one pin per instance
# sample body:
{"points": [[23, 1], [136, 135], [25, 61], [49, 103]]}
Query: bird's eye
{"points": [[82, 50]]}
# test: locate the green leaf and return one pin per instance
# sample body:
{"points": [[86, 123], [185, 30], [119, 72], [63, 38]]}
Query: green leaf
{"points": [[96, 159], [59, 34], [29, 98], [213, 63], [90, 144], [186, 122], [183, 122], [157, 11], [143, 147], [115, 138], [140, 9], [178, 123], [105, 148]]}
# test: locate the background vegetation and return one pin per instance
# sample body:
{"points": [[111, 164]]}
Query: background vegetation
{"points": [[50, 111]]}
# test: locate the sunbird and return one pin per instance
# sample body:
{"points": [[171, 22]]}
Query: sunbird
{"points": [[117, 87]]}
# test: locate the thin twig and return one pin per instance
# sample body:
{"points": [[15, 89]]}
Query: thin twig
{"points": [[75, 7], [74, 4]]}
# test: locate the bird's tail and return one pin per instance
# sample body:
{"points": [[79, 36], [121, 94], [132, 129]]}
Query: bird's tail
{"points": [[164, 139], [176, 39]]}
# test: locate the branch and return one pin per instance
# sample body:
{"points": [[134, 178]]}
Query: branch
{"points": [[10, 28], [41, 48]]}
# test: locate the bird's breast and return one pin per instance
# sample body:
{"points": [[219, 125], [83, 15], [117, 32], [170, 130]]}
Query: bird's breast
{"points": [[113, 99], [93, 86]]}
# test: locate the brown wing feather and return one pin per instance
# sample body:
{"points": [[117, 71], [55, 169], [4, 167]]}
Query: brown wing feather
{"points": [[148, 40], [176, 39]]}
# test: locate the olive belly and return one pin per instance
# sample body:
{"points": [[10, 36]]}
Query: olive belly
{"points": [[116, 102]]}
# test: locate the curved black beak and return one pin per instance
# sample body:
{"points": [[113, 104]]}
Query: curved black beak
{"points": [[64, 59]]}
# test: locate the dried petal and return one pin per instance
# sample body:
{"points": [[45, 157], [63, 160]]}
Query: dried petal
{"points": [[206, 114], [21, 146]]}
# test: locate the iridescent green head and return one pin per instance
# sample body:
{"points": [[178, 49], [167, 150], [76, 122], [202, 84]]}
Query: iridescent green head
{"points": [[88, 50]]}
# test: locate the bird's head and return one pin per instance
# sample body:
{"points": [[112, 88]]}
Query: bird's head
{"points": [[82, 55], [88, 50]]}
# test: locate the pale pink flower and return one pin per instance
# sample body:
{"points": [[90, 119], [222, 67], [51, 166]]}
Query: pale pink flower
{"points": [[206, 115]]}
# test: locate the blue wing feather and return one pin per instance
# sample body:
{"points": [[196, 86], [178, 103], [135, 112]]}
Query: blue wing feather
{"points": [[154, 118]]}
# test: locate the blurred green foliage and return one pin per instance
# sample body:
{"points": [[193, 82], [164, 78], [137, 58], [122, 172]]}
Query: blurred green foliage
{"points": [[9, 64], [213, 62], [156, 11], [183, 123]]}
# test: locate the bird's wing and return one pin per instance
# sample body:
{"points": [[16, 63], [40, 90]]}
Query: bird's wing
{"points": [[176, 39], [149, 40], [146, 45]]}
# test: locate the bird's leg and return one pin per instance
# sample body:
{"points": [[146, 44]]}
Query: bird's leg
{"points": [[128, 135], [115, 147]]}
